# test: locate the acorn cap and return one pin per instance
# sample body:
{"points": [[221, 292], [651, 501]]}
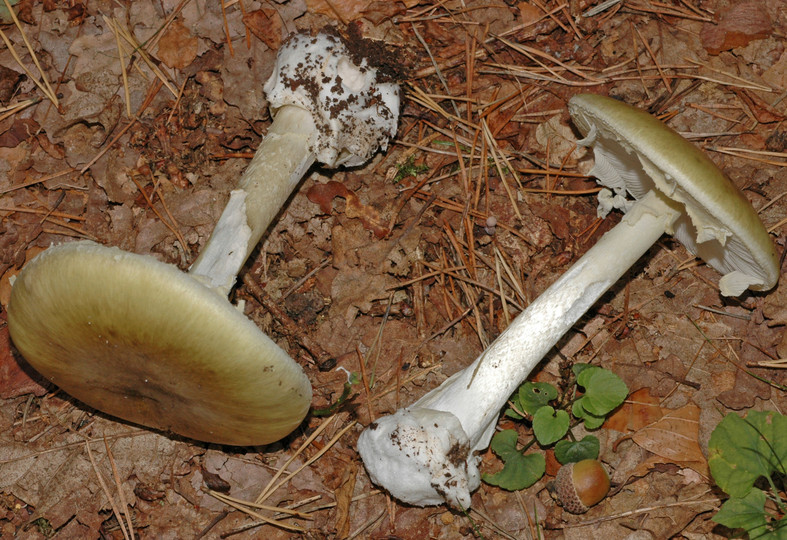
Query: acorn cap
{"points": [[636, 153], [139, 339]]}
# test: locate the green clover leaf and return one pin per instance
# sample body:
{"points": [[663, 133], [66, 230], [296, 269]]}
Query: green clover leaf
{"points": [[574, 451], [591, 421], [603, 390], [549, 425], [519, 471], [741, 450]]}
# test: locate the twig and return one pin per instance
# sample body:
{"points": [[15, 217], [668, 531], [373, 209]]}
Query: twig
{"points": [[280, 509], [245, 509], [10, 110], [268, 489], [226, 28], [636, 512], [175, 225], [295, 286], [534, 53], [119, 486], [770, 364], [129, 38], [721, 312], [70, 227], [434, 63], [745, 153], [600, 8], [45, 87], [669, 11], [746, 83], [213, 522], [63, 215], [170, 226], [652, 55], [312, 459], [365, 381], [105, 489], [497, 156], [123, 74]]}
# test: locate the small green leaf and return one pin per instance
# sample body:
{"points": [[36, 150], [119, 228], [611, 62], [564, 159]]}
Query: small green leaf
{"points": [[409, 168], [532, 396], [549, 425], [574, 451], [519, 471], [591, 420], [511, 413], [741, 450], [746, 513], [5, 15], [603, 390], [504, 444], [579, 368]]}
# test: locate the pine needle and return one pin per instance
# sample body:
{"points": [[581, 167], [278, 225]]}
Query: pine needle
{"points": [[43, 83], [119, 486], [105, 489]]}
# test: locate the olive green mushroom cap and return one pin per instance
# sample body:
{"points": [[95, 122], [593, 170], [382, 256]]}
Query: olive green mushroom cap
{"points": [[140, 340], [636, 153]]}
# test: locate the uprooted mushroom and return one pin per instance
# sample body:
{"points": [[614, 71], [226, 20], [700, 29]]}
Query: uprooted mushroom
{"points": [[140, 340], [428, 453]]}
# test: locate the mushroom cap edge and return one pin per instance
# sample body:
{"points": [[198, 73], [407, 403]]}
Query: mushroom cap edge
{"points": [[700, 182], [141, 340]]}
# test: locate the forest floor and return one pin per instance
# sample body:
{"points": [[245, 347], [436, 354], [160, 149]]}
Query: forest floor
{"points": [[404, 271]]}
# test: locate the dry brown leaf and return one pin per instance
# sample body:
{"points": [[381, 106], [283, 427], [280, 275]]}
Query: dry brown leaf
{"points": [[177, 47], [762, 111], [654, 462], [354, 290], [323, 194], [640, 409], [529, 13], [747, 390], [266, 24], [344, 495], [350, 10], [21, 130], [9, 80], [342, 10], [674, 436], [557, 217], [558, 139], [742, 23], [14, 380], [383, 10]]}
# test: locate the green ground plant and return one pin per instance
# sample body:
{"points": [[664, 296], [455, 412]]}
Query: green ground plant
{"points": [[747, 458], [552, 420]]}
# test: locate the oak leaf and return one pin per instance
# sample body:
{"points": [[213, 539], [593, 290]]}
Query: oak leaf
{"points": [[674, 436], [323, 194], [177, 48]]}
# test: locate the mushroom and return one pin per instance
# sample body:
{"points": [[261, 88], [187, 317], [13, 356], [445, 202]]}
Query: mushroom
{"points": [[428, 453], [138, 339]]}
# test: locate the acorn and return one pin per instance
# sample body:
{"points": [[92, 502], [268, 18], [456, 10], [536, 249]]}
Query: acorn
{"points": [[580, 485]]}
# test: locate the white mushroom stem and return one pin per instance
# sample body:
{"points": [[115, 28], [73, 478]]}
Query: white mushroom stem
{"points": [[420, 454], [278, 165]]}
